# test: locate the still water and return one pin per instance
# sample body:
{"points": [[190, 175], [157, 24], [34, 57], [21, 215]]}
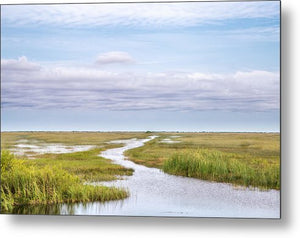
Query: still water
{"points": [[155, 193]]}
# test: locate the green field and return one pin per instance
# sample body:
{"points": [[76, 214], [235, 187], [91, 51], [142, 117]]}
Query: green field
{"points": [[247, 159]]}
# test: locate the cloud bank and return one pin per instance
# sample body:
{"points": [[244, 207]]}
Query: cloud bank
{"points": [[27, 84], [20, 64]]}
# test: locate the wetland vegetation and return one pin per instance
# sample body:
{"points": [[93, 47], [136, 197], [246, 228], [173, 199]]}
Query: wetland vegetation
{"points": [[58, 178], [23, 182], [247, 159]]}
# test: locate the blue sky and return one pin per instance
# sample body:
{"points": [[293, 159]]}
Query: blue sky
{"points": [[181, 66]]}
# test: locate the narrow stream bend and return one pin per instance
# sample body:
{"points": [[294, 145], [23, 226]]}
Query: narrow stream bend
{"points": [[155, 193]]}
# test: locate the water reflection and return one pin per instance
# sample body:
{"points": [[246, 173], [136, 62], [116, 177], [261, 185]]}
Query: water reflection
{"points": [[90, 208], [55, 209]]}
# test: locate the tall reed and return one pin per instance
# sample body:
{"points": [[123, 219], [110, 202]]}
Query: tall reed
{"points": [[23, 183], [222, 167]]}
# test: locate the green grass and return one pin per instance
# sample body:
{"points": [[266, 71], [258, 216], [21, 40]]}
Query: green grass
{"points": [[249, 159], [56, 178], [23, 182], [222, 167], [87, 165]]}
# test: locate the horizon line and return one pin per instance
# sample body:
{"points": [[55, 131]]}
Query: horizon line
{"points": [[141, 131]]}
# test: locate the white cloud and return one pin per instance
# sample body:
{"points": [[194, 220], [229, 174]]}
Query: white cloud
{"points": [[149, 14], [114, 57], [65, 87]]}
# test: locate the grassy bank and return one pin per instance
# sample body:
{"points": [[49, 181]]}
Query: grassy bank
{"points": [[23, 182], [87, 165], [249, 159], [55, 178]]}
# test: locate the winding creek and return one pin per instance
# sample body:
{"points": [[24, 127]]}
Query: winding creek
{"points": [[155, 193]]}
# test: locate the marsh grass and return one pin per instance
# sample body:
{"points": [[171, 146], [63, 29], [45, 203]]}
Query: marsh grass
{"points": [[23, 182], [57, 178], [249, 159], [9, 139], [222, 167], [87, 165]]}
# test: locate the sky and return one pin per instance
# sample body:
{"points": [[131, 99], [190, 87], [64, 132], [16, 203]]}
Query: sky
{"points": [[203, 66]]}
